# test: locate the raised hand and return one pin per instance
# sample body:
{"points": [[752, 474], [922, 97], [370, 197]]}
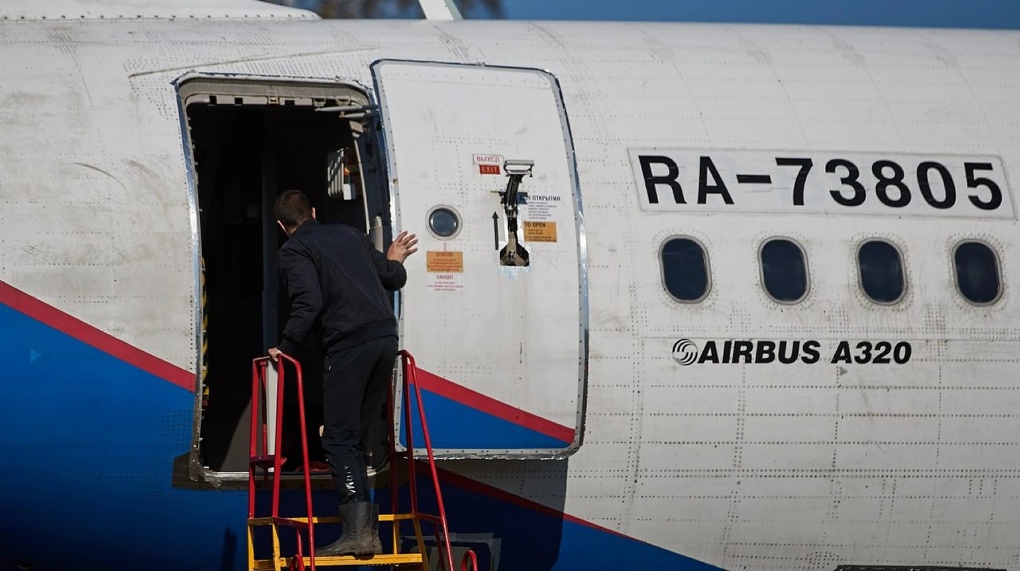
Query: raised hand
{"points": [[402, 247]]}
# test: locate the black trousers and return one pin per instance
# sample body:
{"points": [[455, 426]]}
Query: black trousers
{"points": [[354, 389]]}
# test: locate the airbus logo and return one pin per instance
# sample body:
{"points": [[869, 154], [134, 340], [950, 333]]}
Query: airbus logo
{"points": [[785, 352], [685, 352]]}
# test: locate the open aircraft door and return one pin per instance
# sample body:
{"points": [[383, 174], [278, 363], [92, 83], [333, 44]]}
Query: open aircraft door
{"points": [[495, 307]]}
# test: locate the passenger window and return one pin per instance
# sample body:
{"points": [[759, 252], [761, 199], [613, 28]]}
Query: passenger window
{"points": [[685, 269], [881, 271], [977, 272], [784, 271]]}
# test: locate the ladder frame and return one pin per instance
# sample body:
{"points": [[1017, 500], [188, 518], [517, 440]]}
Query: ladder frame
{"points": [[259, 459]]}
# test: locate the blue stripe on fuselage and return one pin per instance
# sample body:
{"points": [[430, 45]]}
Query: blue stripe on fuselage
{"points": [[88, 443]]}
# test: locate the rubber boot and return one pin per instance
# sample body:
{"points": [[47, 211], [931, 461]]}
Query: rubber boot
{"points": [[360, 535]]}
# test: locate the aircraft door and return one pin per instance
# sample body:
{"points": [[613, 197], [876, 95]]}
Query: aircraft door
{"points": [[495, 307]]}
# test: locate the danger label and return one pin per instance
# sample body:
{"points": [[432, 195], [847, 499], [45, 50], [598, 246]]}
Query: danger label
{"points": [[445, 262], [445, 282], [539, 231]]}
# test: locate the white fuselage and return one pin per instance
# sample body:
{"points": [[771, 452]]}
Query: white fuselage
{"points": [[743, 465]]}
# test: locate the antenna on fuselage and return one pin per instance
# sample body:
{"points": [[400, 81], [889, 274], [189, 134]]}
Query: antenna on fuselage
{"points": [[440, 9]]}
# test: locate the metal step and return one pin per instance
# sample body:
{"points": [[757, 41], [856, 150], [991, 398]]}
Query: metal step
{"points": [[344, 561]]}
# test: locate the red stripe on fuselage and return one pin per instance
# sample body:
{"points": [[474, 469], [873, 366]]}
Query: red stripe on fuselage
{"points": [[53, 317], [478, 401]]}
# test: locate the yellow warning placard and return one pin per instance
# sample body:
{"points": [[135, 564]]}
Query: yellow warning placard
{"points": [[444, 262], [539, 231]]}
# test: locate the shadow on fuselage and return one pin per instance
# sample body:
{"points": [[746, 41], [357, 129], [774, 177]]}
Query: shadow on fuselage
{"points": [[229, 559], [516, 517]]}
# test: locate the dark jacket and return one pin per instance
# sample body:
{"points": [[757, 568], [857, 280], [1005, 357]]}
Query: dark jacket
{"points": [[337, 280]]}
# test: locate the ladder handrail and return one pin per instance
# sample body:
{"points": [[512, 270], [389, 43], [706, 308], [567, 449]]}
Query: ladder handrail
{"points": [[260, 367], [411, 371]]}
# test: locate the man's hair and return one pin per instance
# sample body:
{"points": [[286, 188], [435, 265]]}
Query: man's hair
{"points": [[293, 208]]}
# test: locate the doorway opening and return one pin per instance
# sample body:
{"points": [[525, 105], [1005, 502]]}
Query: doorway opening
{"points": [[250, 141]]}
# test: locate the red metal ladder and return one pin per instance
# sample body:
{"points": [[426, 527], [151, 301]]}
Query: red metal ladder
{"points": [[261, 462]]}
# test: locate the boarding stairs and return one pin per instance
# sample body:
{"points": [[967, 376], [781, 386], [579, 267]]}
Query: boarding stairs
{"points": [[267, 466]]}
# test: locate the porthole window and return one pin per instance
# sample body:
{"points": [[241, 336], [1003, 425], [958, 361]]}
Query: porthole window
{"points": [[881, 271], [685, 269], [977, 272], [444, 222], [784, 272]]}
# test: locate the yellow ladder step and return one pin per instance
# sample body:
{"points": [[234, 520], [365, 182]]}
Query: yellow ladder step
{"points": [[384, 559], [327, 519], [345, 560]]}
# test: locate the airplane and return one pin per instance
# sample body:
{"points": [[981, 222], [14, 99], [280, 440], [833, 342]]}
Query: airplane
{"points": [[747, 305]]}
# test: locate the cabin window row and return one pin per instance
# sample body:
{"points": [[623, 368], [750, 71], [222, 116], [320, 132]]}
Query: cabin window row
{"points": [[785, 278]]}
